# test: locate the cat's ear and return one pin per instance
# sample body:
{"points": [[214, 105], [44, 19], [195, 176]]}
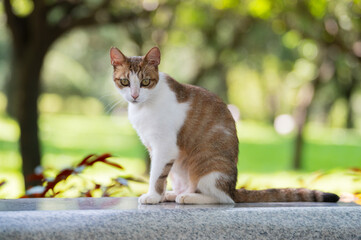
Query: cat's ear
{"points": [[117, 57], [153, 56]]}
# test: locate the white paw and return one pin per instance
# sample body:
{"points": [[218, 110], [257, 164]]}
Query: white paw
{"points": [[196, 198], [150, 198], [170, 196], [182, 198]]}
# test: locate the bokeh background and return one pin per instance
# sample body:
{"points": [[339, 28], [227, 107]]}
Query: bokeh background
{"points": [[291, 71]]}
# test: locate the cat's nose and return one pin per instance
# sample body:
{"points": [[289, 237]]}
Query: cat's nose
{"points": [[135, 96]]}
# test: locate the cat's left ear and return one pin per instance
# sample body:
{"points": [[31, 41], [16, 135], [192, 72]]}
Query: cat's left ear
{"points": [[153, 56]]}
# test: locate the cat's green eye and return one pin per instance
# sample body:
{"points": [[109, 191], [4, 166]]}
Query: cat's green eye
{"points": [[145, 82], [124, 82]]}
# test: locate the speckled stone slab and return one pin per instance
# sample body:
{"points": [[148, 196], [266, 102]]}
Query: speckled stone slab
{"points": [[123, 218]]}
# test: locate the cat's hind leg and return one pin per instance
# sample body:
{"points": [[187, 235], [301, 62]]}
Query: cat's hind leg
{"points": [[180, 182], [210, 192]]}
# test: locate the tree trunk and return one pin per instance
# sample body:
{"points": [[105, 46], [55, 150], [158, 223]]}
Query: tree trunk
{"points": [[222, 85], [26, 67], [348, 95], [305, 98], [298, 148], [31, 40]]}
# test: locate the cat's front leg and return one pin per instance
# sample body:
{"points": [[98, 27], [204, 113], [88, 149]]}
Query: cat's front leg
{"points": [[160, 167]]}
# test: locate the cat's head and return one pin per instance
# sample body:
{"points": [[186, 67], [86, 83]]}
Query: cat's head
{"points": [[135, 77]]}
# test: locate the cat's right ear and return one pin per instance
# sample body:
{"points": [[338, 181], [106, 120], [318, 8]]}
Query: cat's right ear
{"points": [[117, 57]]}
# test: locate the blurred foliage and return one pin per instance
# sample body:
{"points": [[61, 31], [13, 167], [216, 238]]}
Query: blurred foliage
{"points": [[264, 52], [255, 54]]}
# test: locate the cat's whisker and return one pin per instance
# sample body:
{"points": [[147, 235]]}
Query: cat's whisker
{"points": [[114, 104], [107, 106], [111, 103]]}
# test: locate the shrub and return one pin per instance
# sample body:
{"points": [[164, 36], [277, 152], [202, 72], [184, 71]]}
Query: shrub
{"points": [[63, 181]]}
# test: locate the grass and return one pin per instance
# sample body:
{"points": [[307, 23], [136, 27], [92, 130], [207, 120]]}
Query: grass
{"points": [[263, 150], [265, 157]]}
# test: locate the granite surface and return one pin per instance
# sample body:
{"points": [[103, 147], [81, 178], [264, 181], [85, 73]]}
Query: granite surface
{"points": [[123, 218]]}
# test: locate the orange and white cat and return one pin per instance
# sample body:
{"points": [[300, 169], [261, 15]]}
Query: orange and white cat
{"points": [[190, 135]]}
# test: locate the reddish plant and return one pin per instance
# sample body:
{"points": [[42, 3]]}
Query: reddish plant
{"points": [[47, 189]]}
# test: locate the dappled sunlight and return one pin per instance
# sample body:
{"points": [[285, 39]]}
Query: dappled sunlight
{"points": [[10, 159], [308, 49], [14, 184], [252, 131], [177, 56], [57, 61], [260, 8], [23, 7], [150, 5], [61, 160], [132, 167], [246, 82], [338, 136], [284, 124], [54, 103], [335, 181], [9, 129], [108, 134]]}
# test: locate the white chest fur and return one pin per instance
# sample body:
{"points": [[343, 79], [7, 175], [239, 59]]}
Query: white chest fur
{"points": [[158, 120]]}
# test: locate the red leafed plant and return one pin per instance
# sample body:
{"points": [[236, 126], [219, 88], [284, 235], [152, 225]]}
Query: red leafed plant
{"points": [[48, 187]]}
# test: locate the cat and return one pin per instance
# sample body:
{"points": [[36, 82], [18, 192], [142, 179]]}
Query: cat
{"points": [[190, 135]]}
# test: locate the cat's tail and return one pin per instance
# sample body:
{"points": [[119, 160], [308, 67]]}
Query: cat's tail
{"points": [[283, 195]]}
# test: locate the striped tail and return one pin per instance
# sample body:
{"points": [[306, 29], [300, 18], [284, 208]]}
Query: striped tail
{"points": [[283, 195]]}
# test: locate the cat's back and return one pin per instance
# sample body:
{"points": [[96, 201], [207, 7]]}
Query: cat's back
{"points": [[203, 104], [208, 121], [197, 97]]}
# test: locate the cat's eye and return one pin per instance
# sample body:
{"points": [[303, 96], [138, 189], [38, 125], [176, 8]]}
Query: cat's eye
{"points": [[145, 82], [124, 82]]}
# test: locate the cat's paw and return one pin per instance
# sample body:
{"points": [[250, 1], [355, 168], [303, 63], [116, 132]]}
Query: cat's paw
{"points": [[170, 196], [195, 198], [150, 198], [182, 198]]}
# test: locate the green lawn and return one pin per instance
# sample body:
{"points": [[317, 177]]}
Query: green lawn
{"points": [[263, 150], [265, 158]]}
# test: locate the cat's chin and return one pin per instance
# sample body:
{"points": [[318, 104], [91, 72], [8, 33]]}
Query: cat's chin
{"points": [[132, 101], [135, 101]]}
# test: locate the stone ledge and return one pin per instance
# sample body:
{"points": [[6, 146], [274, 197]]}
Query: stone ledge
{"points": [[122, 218]]}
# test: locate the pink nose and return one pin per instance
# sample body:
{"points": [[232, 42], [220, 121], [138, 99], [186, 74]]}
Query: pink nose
{"points": [[135, 96]]}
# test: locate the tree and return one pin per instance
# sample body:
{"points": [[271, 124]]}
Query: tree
{"points": [[330, 37], [32, 36]]}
